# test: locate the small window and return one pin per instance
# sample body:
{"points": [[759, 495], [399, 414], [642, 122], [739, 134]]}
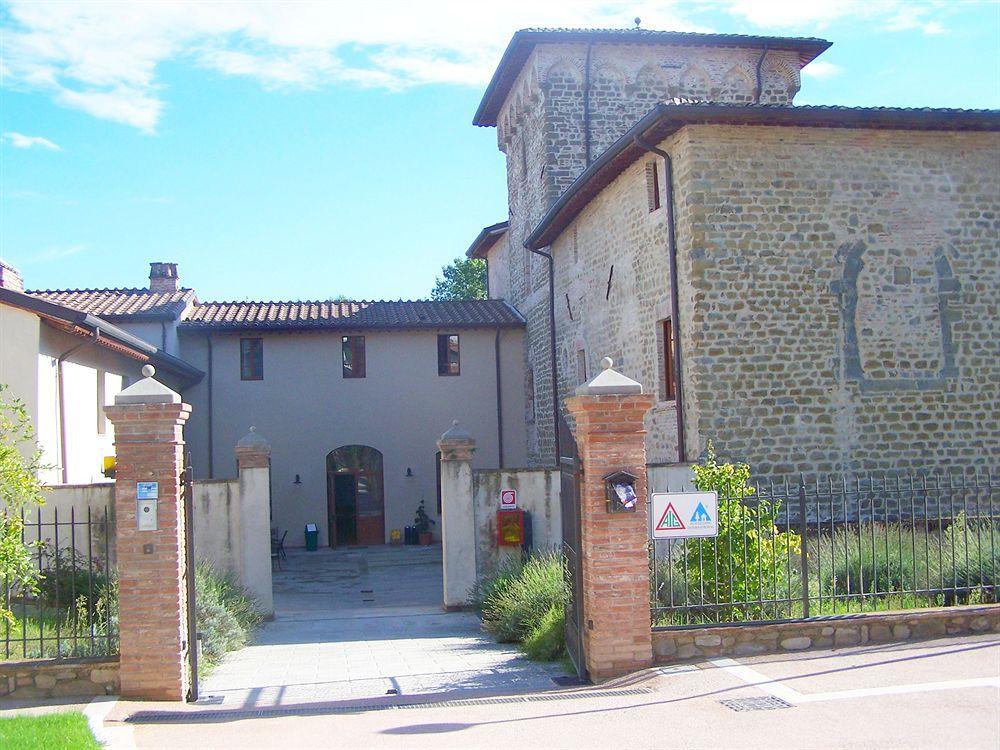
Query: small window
{"points": [[449, 362], [653, 185], [252, 359], [581, 365], [669, 385], [353, 348]]}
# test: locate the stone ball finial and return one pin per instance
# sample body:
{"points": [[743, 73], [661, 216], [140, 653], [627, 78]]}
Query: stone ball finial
{"points": [[454, 423], [607, 363], [148, 371]]}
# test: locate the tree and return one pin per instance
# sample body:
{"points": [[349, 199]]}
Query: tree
{"points": [[20, 489], [464, 278]]}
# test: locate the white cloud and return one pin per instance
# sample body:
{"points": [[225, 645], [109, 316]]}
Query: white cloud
{"points": [[890, 15], [821, 69], [55, 253], [19, 140]]}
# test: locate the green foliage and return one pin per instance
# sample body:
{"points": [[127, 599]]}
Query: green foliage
{"points": [[855, 564], [973, 558], [747, 561], [59, 731], [463, 278], [547, 640], [20, 489], [518, 598], [66, 577], [225, 612]]}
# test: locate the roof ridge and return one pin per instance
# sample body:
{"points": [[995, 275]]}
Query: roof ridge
{"points": [[117, 290], [640, 31], [342, 302]]}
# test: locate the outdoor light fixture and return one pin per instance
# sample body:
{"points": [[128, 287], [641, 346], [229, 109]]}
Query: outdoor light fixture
{"points": [[409, 471], [297, 480]]}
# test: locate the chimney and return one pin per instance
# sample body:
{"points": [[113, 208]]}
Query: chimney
{"points": [[10, 277], [163, 278]]}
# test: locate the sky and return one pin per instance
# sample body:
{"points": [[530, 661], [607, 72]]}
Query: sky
{"points": [[293, 151]]}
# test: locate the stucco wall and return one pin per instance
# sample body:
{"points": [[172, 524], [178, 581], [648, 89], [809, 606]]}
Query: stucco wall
{"points": [[537, 493], [70, 503], [19, 357], [305, 409], [217, 533]]}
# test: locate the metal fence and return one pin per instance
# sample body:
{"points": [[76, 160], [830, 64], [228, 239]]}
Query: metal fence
{"points": [[72, 609], [839, 546]]}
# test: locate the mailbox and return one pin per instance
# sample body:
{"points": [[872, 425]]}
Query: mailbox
{"points": [[620, 488], [510, 528]]}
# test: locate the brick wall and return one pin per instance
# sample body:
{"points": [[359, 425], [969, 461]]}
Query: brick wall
{"points": [[540, 129], [837, 296]]}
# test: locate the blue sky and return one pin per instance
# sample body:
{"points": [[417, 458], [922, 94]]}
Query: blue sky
{"points": [[304, 151]]}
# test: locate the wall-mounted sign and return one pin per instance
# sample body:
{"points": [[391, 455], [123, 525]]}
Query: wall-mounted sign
{"points": [[508, 499], [147, 490], [681, 515]]}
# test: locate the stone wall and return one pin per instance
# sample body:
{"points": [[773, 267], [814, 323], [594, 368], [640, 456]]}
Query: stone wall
{"points": [[541, 130], [837, 296], [845, 630], [58, 678]]}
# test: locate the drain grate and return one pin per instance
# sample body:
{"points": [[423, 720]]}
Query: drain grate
{"points": [[192, 717], [756, 704]]}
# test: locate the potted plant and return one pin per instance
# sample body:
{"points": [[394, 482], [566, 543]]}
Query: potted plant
{"points": [[422, 523]]}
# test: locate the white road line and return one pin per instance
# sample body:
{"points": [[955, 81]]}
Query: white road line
{"points": [[779, 690], [116, 737]]}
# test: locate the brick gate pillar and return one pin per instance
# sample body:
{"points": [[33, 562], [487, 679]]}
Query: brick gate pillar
{"points": [[149, 441], [608, 413]]}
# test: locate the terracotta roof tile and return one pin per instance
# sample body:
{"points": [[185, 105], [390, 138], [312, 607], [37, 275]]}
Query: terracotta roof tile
{"points": [[118, 304], [353, 315]]}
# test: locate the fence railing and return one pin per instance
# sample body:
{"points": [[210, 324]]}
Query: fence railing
{"points": [[72, 610], [839, 546]]}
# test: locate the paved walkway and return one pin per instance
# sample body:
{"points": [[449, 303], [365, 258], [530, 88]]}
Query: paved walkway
{"points": [[364, 623]]}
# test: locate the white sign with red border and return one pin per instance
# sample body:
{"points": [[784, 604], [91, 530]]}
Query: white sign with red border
{"points": [[683, 515], [508, 499]]}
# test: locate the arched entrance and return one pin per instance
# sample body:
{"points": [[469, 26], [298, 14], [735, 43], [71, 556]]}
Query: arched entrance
{"points": [[355, 497]]}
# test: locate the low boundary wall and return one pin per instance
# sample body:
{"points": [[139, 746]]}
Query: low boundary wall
{"points": [[676, 644], [59, 678]]}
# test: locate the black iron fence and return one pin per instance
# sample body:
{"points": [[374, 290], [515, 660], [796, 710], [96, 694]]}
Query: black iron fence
{"points": [[839, 546], [72, 608]]}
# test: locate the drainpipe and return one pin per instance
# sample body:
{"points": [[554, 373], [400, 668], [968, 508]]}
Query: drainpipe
{"points": [[61, 397], [586, 106], [668, 178], [760, 81], [552, 349], [208, 376], [496, 360]]}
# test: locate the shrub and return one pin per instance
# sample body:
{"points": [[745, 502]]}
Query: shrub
{"points": [[859, 566], [547, 641], [747, 561], [225, 612], [519, 596], [66, 578], [972, 560]]}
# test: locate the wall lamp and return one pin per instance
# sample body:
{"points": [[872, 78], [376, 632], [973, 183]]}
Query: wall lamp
{"points": [[297, 480], [409, 471]]}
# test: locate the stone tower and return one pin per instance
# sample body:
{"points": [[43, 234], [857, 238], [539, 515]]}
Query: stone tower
{"points": [[559, 98]]}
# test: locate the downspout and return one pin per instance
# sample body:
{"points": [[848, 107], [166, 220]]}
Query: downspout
{"points": [[496, 360], [552, 350], [163, 335], [61, 397], [760, 81], [208, 375], [586, 107], [668, 178]]}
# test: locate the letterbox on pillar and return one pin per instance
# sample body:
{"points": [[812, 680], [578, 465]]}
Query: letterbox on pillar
{"points": [[620, 492]]}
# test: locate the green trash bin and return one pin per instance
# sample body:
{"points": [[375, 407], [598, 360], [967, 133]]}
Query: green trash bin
{"points": [[312, 537]]}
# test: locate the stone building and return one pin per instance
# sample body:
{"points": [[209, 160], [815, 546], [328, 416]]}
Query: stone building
{"points": [[837, 268]]}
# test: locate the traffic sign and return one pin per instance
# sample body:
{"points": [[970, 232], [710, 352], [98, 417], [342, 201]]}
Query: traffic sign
{"points": [[681, 515]]}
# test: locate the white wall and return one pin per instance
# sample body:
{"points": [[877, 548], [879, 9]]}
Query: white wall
{"points": [[69, 503], [217, 536], [305, 409], [18, 356]]}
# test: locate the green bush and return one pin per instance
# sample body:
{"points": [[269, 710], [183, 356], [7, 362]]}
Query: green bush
{"points": [[972, 559], [748, 559], [225, 612], [547, 641], [854, 564], [66, 578], [517, 601]]}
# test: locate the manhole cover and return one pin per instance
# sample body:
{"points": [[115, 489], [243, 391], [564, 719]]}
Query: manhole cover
{"points": [[756, 704]]}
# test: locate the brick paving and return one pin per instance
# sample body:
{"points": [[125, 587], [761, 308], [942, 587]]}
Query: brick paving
{"points": [[361, 622]]}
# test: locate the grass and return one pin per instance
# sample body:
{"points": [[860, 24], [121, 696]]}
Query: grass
{"points": [[62, 731]]}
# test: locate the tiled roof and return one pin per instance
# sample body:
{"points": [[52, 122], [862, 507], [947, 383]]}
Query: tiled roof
{"points": [[485, 239], [118, 304], [523, 42], [352, 315], [667, 118]]}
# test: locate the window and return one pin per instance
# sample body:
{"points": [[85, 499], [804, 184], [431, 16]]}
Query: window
{"points": [[353, 348], [251, 359], [581, 365], [669, 385], [653, 185], [448, 354]]}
